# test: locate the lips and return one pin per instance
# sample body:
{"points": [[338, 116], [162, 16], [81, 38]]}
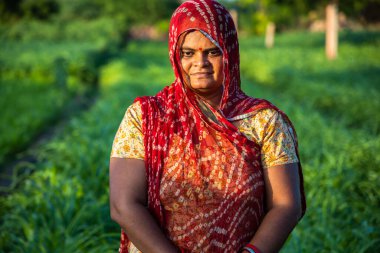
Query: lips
{"points": [[202, 74]]}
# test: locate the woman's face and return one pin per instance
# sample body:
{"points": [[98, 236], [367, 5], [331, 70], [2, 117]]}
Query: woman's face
{"points": [[202, 64]]}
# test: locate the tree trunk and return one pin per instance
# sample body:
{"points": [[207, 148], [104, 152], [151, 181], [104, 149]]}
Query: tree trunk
{"points": [[331, 31], [269, 35]]}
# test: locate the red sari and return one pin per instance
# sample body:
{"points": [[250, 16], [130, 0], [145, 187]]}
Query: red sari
{"points": [[202, 168]]}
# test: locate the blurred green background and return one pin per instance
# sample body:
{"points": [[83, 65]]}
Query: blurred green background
{"points": [[70, 68]]}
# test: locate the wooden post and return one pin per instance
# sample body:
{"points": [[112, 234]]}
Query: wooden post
{"points": [[331, 31], [269, 35], [234, 15]]}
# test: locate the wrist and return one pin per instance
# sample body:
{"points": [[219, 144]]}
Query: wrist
{"points": [[250, 248]]}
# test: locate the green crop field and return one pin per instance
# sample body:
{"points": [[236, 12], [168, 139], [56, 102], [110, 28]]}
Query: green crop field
{"points": [[63, 205], [42, 69]]}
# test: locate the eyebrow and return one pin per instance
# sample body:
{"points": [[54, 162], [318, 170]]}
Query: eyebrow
{"points": [[206, 49]]}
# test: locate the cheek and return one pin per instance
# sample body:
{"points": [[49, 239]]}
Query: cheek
{"points": [[218, 68], [185, 66]]}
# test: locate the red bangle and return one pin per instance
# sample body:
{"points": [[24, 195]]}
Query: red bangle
{"points": [[251, 246]]}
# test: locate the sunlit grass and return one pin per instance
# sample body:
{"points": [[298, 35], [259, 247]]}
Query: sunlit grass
{"points": [[67, 197]]}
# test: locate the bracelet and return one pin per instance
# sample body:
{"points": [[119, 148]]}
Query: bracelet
{"points": [[251, 248]]}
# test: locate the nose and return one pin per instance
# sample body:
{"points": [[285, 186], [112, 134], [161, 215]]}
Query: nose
{"points": [[201, 60]]}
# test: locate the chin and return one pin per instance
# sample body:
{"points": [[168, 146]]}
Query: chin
{"points": [[205, 89], [204, 85]]}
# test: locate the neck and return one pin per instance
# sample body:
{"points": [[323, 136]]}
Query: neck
{"points": [[213, 98]]}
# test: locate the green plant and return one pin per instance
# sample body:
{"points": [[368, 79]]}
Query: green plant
{"points": [[67, 196]]}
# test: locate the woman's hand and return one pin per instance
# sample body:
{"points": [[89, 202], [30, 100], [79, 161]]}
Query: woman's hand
{"points": [[283, 199], [128, 201]]}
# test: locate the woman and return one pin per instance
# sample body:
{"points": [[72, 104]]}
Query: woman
{"points": [[202, 167]]}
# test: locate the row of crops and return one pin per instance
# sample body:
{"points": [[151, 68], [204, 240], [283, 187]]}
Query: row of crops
{"points": [[43, 68], [346, 90], [63, 205], [334, 106]]}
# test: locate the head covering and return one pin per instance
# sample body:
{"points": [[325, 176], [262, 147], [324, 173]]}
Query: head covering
{"points": [[185, 134], [213, 20]]}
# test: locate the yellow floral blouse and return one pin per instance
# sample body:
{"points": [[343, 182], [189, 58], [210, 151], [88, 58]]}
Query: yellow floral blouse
{"points": [[267, 128]]}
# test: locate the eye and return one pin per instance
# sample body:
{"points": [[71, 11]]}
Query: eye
{"points": [[215, 52], [186, 53]]}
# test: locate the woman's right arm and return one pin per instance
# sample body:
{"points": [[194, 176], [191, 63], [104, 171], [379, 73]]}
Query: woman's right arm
{"points": [[128, 198]]}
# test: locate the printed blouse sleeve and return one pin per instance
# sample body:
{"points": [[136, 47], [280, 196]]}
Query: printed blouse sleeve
{"points": [[129, 138], [277, 140]]}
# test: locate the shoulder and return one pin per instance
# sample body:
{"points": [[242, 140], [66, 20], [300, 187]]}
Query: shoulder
{"points": [[128, 141], [132, 116], [271, 119], [265, 122], [150, 104], [135, 107], [264, 116], [158, 104]]}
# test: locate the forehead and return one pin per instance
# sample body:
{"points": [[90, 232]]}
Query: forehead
{"points": [[196, 39]]}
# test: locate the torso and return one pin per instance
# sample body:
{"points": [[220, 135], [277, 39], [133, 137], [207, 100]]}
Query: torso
{"points": [[200, 200]]}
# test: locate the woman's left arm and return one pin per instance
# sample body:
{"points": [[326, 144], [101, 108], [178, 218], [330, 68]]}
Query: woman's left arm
{"points": [[284, 208]]}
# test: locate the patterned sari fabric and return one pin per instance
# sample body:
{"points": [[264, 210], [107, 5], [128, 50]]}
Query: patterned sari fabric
{"points": [[205, 180]]}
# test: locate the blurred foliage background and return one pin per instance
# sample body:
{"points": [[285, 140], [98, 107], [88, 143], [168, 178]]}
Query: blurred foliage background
{"points": [[70, 68], [291, 14]]}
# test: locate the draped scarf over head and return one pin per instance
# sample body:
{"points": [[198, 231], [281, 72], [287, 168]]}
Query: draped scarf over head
{"points": [[179, 137]]}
